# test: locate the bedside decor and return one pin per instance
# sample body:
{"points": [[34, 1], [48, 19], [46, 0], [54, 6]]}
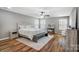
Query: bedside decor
{"points": [[13, 35]]}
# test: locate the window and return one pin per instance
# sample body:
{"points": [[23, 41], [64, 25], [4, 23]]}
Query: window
{"points": [[40, 23], [36, 22], [62, 24]]}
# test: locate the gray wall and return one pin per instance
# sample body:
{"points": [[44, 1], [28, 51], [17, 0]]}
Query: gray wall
{"points": [[9, 21], [72, 18], [55, 21]]}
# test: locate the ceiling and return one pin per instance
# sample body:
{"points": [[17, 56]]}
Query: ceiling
{"points": [[35, 11]]}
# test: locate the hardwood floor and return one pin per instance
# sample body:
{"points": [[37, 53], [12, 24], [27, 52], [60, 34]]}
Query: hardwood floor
{"points": [[15, 46]]}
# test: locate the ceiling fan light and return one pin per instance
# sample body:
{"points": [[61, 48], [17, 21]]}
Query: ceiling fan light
{"points": [[8, 7], [42, 17]]}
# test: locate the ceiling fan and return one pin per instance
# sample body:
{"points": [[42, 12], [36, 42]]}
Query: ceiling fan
{"points": [[44, 15]]}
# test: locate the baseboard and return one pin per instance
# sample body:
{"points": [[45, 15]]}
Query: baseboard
{"points": [[4, 38]]}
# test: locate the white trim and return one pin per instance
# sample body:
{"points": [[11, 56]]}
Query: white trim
{"points": [[4, 38]]}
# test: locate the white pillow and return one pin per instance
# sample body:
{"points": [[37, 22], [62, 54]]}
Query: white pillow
{"points": [[29, 26], [22, 26]]}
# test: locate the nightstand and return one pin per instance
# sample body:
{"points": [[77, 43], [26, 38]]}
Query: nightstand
{"points": [[13, 35]]}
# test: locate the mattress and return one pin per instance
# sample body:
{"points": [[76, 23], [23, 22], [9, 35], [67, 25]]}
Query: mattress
{"points": [[31, 32]]}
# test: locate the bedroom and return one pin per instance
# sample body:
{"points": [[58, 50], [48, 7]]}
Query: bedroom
{"points": [[34, 29]]}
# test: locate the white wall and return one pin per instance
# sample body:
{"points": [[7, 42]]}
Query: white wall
{"points": [[78, 17], [55, 21], [8, 21], [72, 18]]}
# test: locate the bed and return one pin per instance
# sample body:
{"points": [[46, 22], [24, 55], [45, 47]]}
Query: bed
{"points": [[32, 33]]}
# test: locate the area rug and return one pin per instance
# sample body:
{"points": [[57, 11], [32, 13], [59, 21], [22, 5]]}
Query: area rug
{"points": [[39, 45]]}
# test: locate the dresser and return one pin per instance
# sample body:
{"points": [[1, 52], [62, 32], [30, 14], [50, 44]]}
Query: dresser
{"points": [[78, 40], [71, 40]]}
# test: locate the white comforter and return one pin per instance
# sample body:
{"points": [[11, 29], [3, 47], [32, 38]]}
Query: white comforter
{"points": [[30, 32]]}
